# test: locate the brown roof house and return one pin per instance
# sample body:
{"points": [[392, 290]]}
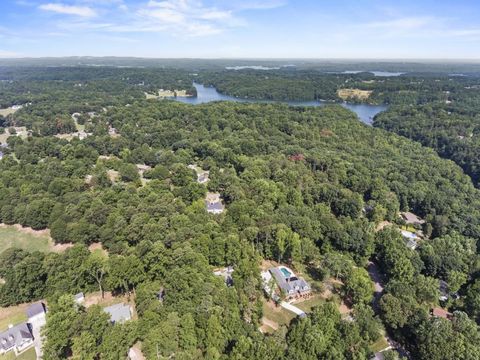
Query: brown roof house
{"points": [[411, 218], [441, 313]]}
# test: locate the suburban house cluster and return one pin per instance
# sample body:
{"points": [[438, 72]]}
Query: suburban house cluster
{"points": [[23, 336]]}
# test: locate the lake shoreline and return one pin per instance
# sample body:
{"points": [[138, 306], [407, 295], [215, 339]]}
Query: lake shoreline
{"points": [[206, 94]]}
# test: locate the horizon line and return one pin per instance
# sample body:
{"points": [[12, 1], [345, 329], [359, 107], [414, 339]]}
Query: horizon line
{"points": [[410, 59]]}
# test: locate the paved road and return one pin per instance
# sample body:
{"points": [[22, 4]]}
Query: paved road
{"points": [[379, 283]]}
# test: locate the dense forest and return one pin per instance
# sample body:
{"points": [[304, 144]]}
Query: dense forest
{"points": [[308, 187], [451, 127]]}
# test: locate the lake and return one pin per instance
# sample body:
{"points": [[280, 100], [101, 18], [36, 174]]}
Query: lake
{"points": [[375, 73], [205, 94]]}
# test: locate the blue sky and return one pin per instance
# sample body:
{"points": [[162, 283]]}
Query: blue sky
{"points": [[242, 28]]}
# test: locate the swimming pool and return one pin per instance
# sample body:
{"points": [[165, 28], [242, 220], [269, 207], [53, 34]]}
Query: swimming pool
{"points": [[285, 272]]}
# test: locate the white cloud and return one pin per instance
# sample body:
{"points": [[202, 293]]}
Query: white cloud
{"points": [[83, 11], [404, 23], [183, 18], [257, 5]]}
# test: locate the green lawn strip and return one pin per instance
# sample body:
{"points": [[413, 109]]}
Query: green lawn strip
{"points": [[29, 354], [11, 237], [379, 345], [15, 318]]}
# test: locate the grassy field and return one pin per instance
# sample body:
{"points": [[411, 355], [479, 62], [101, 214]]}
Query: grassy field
{"points": [[12, 315], [379, 345], [12, 237], [277, 313], [354, 93], [307, 305], [30, 354], [410, 228], [79, 126], [8, 111]]}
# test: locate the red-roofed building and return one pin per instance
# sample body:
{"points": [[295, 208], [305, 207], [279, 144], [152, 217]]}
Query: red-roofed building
{"points": [[441, 313]]}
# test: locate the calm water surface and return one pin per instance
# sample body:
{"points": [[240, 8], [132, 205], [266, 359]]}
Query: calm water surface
{"points": [[205, 94]]}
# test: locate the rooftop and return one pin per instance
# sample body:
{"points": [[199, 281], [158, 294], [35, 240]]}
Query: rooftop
{"points": [[408, 234], [35, 309], [119, 312], [15, 336], [290, 284], [411, 218], [442, 313]]}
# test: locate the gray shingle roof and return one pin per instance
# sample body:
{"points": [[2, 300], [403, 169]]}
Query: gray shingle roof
{"points": [[35, 309], [215, 206], [118, 312], [15, 336], [289, 285]]}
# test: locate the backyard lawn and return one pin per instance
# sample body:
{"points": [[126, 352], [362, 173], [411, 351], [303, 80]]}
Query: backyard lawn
{"points": [[307, 305], [12, 237], [30, 354], [12, 315], [277, 313]]}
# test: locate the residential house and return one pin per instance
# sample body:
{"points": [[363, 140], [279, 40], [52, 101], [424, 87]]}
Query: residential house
{"points": [[445, 292], [202, 175], [214, 203], [410, 239], [268, 283], [112, 131], [203, 178], [411, 218], [443, 289], [441, 313], [226, 273], [291, 285], [37, 319], [16, 338], [119, 313], [37, 313]]}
